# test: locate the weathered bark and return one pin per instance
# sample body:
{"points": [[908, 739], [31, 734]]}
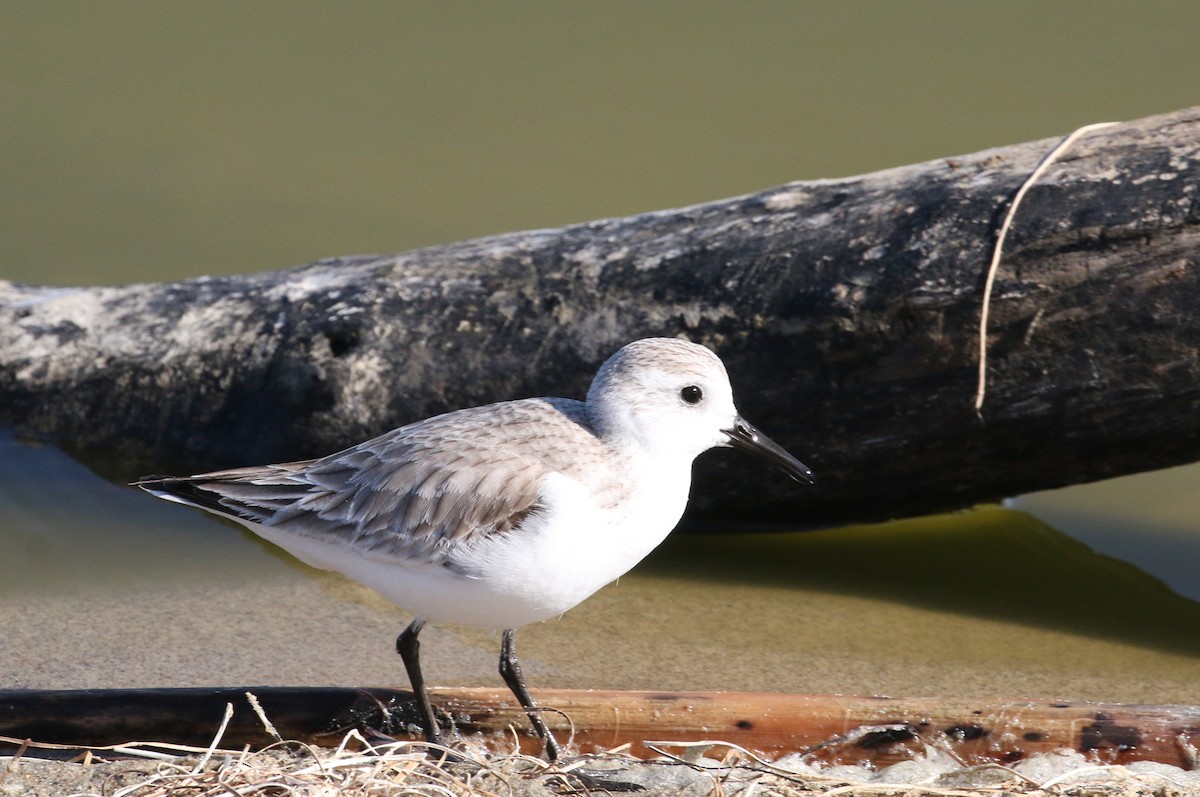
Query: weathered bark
{"points": [[846, 310], [832, 728]]}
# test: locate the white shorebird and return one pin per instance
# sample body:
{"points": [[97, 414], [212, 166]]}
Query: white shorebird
{"points": [[506, 514]]}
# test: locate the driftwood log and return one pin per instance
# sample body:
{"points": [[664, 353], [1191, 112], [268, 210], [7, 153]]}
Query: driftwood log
{"points": [[830, 728], [847, 311]]}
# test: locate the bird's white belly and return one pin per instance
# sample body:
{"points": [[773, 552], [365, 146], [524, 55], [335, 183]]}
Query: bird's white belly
{"points": [[575, 548], [555, 561]]}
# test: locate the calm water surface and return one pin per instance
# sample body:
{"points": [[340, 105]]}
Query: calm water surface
{"points": [[103, 586], [143, 141]]}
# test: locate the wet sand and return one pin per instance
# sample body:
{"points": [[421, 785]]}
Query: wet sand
{"points": [[272, 622], [102, 586]]}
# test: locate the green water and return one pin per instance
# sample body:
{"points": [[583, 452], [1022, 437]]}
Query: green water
{"points": [[148, 141], [154, 141]]}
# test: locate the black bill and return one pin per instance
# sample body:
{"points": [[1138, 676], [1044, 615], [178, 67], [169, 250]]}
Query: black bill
{"points": [[746, 436]]}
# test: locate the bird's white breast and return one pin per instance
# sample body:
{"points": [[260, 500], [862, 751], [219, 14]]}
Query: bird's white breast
{"points": [[576, 546]]}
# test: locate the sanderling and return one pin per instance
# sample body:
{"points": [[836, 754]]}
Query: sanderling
{"points": [[506, 514]]}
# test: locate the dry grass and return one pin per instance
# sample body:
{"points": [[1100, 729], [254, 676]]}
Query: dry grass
{"points": [[359, 767], [287, 768]]}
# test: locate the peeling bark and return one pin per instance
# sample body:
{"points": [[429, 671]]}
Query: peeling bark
{"points": [[846, 310]]}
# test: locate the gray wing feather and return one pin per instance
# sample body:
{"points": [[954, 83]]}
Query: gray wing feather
{"points": [[417, 492]]}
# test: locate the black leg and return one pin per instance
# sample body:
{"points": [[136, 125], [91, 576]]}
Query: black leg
{"points": [[410, 649], [510, 671]]}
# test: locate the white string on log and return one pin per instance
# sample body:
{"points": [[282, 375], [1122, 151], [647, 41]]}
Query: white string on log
{"points": [[998, 250]]}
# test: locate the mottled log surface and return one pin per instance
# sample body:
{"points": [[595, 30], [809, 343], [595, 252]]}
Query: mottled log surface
{"points": [[832, 728], [847, 311]]}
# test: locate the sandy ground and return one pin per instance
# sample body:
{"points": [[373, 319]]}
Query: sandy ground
{"points": [[102, 586], [287, 625]]}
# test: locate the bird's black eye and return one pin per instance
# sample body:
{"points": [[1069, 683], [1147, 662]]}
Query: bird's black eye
{"points": [[691, 394]]}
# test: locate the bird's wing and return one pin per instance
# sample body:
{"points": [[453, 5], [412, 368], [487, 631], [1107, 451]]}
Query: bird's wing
{"points": [[415, 493]]}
